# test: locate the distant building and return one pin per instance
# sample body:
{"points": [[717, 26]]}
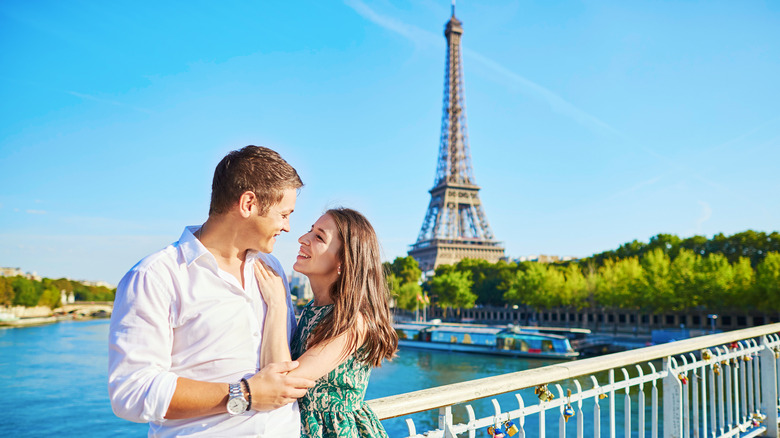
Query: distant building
{"points": [[10, 272], [544, 258], [300, 287], [97, 284], [13, 272]]}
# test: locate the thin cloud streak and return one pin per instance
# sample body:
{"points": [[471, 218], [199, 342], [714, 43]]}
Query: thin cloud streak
{"points": [[106, 101], [706, 214], [412, 33], [634, 188], [556, 103], [422, 37]]}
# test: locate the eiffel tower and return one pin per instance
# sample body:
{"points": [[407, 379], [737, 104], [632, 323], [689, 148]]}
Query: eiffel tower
{"points": [[455, 225]]}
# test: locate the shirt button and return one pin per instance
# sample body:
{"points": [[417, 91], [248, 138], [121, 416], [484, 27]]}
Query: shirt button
{"points": [[256, 334]]}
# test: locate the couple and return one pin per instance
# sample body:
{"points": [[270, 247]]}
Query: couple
{"points": [[203, 332]]}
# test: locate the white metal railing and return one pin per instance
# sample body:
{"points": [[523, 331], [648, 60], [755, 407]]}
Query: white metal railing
{"points": [[720, 385]]}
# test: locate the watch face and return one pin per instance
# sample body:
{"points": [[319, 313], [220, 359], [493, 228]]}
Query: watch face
{"points": [[237, 406]]}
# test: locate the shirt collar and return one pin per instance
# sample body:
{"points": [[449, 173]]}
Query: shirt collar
{"points": [[190, 246]]}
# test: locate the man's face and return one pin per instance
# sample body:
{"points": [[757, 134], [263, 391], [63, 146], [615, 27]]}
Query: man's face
{"points": [[276, 220]]}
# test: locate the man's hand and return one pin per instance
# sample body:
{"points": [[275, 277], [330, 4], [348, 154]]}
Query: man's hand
{"points": [[272, 388]]}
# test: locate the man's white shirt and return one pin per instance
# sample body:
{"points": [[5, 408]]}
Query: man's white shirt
{"points": [[176, 314]]}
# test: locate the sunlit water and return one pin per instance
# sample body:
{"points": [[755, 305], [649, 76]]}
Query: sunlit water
{"points": [[53, 383]]}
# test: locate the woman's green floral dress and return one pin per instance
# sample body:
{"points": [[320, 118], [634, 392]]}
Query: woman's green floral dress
{"points": [[334, 407]]}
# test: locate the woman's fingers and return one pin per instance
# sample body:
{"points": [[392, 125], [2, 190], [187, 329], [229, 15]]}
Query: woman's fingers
{"points": [[263, 270]]}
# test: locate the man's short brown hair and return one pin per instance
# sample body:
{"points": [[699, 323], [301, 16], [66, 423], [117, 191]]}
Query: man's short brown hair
{"points": [[251, 169]]}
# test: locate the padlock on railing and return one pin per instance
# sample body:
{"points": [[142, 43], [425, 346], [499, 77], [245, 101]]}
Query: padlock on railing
{"points": [[495, 432], [568, 412], [510, 428], [543, 393]]}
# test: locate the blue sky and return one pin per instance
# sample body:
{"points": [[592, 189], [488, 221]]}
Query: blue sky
{"points": [[591, 123]]}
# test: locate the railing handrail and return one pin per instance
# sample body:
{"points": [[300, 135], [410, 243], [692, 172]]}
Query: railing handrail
{"points": [[462, 392]]}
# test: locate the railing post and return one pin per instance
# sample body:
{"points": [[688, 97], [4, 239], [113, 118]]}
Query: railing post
{"points": [[612, 404], [673, 421], [769, 387], [445, 421]]}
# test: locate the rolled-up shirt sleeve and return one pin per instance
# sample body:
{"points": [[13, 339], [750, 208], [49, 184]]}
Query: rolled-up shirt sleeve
{"points": [[140, 384]]}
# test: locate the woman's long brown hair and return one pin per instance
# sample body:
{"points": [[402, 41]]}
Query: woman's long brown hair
{"points": [[360, 289]]}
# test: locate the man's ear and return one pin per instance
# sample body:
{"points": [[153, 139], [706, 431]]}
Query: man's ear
{"points": [[246, 203]]}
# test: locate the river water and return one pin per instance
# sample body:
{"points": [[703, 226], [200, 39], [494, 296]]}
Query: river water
{"points": [[53, 383]]}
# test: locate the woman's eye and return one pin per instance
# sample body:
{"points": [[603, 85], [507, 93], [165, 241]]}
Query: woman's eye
{"points": [[320, 237]]}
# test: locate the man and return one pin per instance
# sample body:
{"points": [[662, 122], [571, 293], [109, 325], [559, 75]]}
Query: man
{"points": [[184, 343]]}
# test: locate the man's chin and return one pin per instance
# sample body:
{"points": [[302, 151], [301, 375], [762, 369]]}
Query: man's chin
{"points": [[267, 249]]}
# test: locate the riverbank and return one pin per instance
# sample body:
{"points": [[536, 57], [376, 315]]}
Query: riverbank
{"points": [[20, 316]]}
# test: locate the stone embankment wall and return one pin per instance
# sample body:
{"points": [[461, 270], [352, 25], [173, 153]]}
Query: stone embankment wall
{"points": [[617, 320], [27, 312]]}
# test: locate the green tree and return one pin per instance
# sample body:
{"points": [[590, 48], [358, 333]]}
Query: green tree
{"points": [[742, 294], [404, 281], [487, 278], [621, 283], [683, 277], [453, 289], [405, 294], [50, 298], [768, 281], [538, 285], [6, 292], [668, 243], [63, 284], [657, 292], [24, 292], [575, 292], [406, 269], [714, 278]]}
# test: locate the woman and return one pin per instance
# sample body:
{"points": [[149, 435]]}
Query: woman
{"points": [[344, 332]]}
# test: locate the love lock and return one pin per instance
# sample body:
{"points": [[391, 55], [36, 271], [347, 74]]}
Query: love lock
{"points": [[495, 432], [510, 428], [568, 412], [543, 393]]}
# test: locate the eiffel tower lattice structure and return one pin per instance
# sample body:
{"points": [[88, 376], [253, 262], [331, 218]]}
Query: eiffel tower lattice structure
{"points": [[455, 225]]}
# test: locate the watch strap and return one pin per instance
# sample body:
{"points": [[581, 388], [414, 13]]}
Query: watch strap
{"points": [[248, 394]]}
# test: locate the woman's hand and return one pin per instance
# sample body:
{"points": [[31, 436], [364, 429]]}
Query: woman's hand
{"points": [[271, 285]]}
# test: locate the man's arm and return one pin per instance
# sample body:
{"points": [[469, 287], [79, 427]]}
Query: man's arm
{"points": [[140, 341], [271, 388], [141, 388]]}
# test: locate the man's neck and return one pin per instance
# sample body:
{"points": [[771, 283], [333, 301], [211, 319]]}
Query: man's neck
{"points": [[222, 238]]}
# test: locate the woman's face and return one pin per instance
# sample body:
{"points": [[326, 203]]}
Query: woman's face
{"points": [[320, 247]]}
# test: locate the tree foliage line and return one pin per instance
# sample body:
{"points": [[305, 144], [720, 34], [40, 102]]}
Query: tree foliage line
{"points": [[739, 272], [22, 291]]}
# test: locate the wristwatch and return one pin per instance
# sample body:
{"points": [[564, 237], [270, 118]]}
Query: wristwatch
{"points": [[236, 404]]}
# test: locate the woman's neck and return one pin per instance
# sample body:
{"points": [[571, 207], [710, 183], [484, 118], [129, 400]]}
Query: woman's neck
{"points": [[320, 287]]}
